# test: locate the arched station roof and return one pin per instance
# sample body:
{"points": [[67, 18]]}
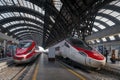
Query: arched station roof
{"points": [[106, 24], [54, 20]]}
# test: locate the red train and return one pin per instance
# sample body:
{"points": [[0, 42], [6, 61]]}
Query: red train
{"points": [[78, 51], [25, 52]]}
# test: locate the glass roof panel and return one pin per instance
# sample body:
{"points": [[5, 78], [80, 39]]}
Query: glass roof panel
{"points": [[16, 13], [2, 3], [8, 24], [94, 29], [20, 32], [101, 10], [110, 23], [97, 40], [24, 34], [113, 2], [117, 3], [119, 35], [118, 17], [20, 3], [114, 14], [92, 41], [104, 19], [96, 23], [107, 11], [52, 19], [13, 29], [98, 17], [58, 4], [17, 22], [104, 39], [111, 37], [101, 27], [1, 17], [12, 14]]}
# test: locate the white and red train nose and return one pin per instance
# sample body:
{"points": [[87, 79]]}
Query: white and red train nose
{"points": [[95, 59]]}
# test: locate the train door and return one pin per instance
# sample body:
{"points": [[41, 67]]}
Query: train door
{"points": [[81, 58]]}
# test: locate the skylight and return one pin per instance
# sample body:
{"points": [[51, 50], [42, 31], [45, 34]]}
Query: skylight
{"points": [[98, 17], [24, 34], [112, 37], [107, 11], [117, 4], [119, 35], [96, 23], [94, 29], [114, 14], [18, 28], [104, 19], [101, 10], [114, 2], [58, 4], [101, 27], [17, 14], [118, 17], [92, 41], [20, 32], [52, 19], [110, 23], [104, 39], [97, 40]]}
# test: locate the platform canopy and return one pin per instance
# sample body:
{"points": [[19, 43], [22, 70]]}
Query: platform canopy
{"points": [[50, 21]]}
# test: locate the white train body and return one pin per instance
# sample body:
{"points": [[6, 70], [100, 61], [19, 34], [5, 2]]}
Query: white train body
{"points": [[82, 54]]}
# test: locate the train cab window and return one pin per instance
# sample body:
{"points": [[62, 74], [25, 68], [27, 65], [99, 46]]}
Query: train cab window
{"points": [[24, 44], [83, 54], [80, 43], [67, 45]]}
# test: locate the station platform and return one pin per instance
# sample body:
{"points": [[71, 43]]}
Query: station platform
{"points": [[46, 70], [115, 65]]}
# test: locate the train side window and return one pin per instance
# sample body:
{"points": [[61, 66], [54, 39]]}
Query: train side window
{"points": [[83, 54], [67, 45], [57, 48]]}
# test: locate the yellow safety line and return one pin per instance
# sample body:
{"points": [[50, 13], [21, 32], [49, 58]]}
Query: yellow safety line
{"points": [[75, 73], [35, 72]]}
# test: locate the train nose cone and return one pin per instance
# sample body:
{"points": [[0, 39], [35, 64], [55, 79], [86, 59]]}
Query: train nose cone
{"points": [[98, 56]]}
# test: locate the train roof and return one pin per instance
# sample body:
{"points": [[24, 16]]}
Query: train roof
{"points": [[26, 41]]}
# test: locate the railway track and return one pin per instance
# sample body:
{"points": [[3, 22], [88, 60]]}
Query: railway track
{"points": [[18, 72], [92, 74]]}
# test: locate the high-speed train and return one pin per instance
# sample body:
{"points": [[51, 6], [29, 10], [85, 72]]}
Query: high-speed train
{"points": [[25, 52], [79, 52]]}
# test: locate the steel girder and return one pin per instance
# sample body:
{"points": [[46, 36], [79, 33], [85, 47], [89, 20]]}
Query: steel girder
{"points": [[77, 15]]}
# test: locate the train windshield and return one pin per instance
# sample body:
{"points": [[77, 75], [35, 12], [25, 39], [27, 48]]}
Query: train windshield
{"points": [[80, 43], [24, 44]]}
